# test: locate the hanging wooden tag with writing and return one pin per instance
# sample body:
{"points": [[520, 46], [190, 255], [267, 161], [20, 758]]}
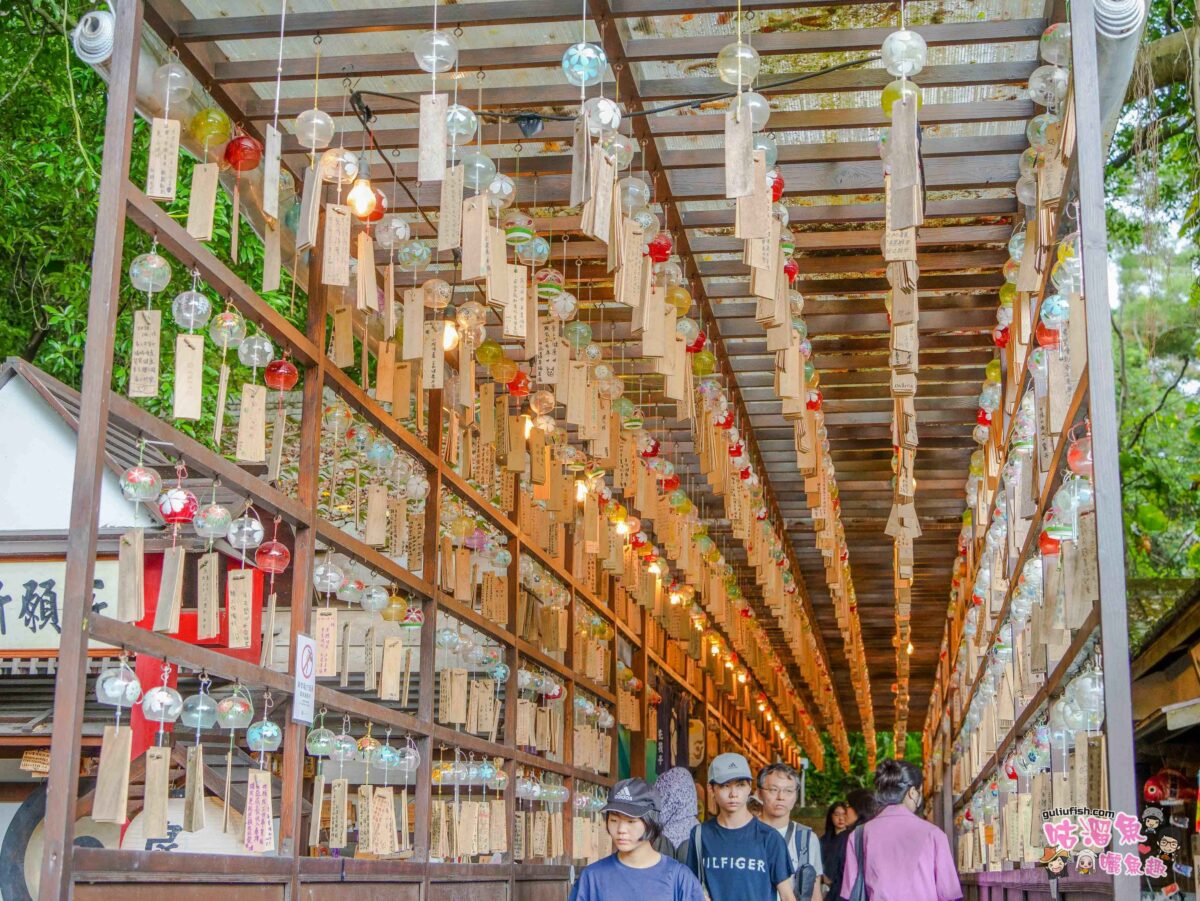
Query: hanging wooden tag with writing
{"points": [[339, 813], [318, 807], [383, 822], [449, 232], [252, 424], [362, 817], [375, 529], [222, 396], [193, 790], [431, 138], [739, 158], [131, 573], [335, 262], [170, 591], [389, 680], [203, 201], [365, 283], [384, 372], [310, 210], [111, 797], [208, 598], [519, 835], [325, 634], [144, 353], [474, 238], [341, 352], [154, 801], [498, 817], [270, 189], [272, 256], [239, 586], [433, 358], [259, 835], [189, 376], [163, 165], [344, 673]]}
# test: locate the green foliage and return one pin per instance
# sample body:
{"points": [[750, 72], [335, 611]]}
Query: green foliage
{"points": [[833, 783], [49, 188]]}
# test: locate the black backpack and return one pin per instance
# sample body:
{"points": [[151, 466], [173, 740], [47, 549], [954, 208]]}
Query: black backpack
{"points": [[858, 891], [805, 876]]}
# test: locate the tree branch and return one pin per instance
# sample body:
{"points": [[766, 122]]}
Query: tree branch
{"points": [[1170, 131], [1162, 402]]}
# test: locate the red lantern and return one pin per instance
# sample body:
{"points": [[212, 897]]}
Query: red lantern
{"points": [[777, 188], [670, 483], [651, 449], [177, 505], [243, 153], [1046, 337], [380, 207], [746, 613], [735, 449], [698, 345], [744, 474], [814, 400], [660, 247], [1048, 544], [983, 417], [726, 420], [761, 515], [518, 385], [281, 375], [1000, 337], [638, 540], [791, 269]]}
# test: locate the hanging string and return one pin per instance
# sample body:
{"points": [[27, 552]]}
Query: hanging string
{"points": [[312, 152], [279, 62]]}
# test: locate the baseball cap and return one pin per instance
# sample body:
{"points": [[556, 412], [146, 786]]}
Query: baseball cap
{"points": [[728, 767], [633, 798]]}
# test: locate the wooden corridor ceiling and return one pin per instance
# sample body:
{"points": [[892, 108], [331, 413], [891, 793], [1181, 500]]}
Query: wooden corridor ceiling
{"points": [[661, 51]]}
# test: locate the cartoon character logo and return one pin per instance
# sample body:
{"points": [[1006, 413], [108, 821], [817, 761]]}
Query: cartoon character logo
{"points": [[1085, 862], [1055, 861], [1152, 818]]}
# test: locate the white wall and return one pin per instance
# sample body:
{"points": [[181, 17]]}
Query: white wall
{"points": [[37, 459]]}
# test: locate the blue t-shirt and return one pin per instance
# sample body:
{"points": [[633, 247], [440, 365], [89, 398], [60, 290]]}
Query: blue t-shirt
{"points": [[741, 864], [608, 879]]}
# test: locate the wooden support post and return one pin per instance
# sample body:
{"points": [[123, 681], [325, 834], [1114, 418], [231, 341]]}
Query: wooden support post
{"points": [[292, 835], [1114, 627], [107, 270], [433, 504]]}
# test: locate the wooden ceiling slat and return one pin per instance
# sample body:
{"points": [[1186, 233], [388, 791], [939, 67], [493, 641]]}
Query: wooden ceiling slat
{"points": [[360, 21], [864, 177], [862, 212], [1014, 72], [835, 40], [869, 263], [853, 117]]}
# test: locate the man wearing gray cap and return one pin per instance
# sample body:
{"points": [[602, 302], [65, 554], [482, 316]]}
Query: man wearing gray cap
{"points": [[737, 857]]}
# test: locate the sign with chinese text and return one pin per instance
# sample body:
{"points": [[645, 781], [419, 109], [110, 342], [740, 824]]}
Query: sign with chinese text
{"points": [[31, 601]]}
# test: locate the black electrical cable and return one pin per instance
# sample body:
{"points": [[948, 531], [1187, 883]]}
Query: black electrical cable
{"points": [[362, 109], [365, 116]]}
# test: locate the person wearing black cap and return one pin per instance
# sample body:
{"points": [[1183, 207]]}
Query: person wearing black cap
{"points": [[635, 870]]}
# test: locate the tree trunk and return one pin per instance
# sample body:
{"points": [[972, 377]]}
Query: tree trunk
{"points": [[1169, 58]]}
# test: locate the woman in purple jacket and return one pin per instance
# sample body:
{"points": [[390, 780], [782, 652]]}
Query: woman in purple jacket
{"points": [[896, 834]]}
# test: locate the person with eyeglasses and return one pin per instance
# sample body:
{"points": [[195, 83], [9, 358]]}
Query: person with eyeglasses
{"points": [[779, 789], [898, 856]]}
